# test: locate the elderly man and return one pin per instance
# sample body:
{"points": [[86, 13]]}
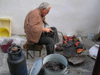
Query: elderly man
{"points": [[37, 30]]}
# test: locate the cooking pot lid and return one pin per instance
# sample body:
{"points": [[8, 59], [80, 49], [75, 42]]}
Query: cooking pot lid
{"points": [[36, 66]]}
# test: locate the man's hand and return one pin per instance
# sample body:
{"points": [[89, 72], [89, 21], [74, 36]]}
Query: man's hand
{"points": [[47, 30]]}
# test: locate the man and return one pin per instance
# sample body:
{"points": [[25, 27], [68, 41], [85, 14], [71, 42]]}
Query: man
{"points": [[36, 28]]}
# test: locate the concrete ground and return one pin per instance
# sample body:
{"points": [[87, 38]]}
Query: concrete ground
{"points": [[84, 68]]}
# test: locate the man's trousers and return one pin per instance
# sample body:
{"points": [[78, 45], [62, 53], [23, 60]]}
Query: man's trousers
{"points": [[49, 39]]}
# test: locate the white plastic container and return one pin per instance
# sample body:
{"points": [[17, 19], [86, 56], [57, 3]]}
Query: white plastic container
{"points": [[55, 58]]}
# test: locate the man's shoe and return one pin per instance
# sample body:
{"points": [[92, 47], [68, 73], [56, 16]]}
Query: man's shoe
{"points": [[59, 49]]}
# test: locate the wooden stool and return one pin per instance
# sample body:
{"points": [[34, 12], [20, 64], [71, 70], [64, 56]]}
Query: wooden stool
{"points": [[30, 47]]}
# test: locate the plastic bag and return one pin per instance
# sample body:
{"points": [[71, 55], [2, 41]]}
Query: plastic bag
{"points": [[4, 40], [19, 40]]}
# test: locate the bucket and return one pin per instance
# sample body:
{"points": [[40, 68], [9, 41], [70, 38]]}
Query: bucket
{"points": [[56, 58], [6, 46]]}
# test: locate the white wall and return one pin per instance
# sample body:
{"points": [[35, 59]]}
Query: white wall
{"points": [[69, 16]]}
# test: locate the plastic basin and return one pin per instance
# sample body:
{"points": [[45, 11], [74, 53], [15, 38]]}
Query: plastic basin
{"points": [[6, 46]]}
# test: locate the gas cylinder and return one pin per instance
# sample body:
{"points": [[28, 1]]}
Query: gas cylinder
{"points": [[16, 61]]}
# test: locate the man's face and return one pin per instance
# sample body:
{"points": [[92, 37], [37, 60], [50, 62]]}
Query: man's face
{"points": [[44, 12]]}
